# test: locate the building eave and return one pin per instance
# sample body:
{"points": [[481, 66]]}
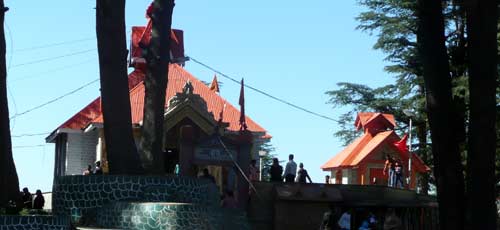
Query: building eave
{"points": [[52, 136]]}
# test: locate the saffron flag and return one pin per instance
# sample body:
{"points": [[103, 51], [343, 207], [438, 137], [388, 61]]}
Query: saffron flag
{"points": [[221, 114], [214, 86], [401, 144], [243, 123]]}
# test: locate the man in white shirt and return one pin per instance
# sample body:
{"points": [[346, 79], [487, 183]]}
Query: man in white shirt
{"points": [[290, 169]]}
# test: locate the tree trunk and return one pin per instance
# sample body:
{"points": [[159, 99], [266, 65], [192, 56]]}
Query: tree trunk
{"points": [[9, 182], [482, 50], [448, 169], [120, 146], [157, 58]]}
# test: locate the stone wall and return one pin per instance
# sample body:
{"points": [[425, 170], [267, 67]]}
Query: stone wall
{"points": [[73, 194], [81, 151], [34, 222], [143, 202]]}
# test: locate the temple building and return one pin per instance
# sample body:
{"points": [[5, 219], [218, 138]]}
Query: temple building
{"points": [[201, 127], [362, 161]]}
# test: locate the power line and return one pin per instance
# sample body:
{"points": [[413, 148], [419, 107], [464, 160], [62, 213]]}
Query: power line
{"points": [[264, 93], [55, 44], [52, 70], [27, 146], [8, 68], [54, 58], [55, 99], [30, 134]]}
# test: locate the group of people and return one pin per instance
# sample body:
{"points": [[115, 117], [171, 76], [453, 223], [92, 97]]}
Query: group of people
{"points": [[291, 174], [337, 218], [29, 202], [96, 171], [394, 169]]}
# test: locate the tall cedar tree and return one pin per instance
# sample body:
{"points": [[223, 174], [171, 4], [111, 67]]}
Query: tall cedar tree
{"points": [[9, 182], [110, 29], [157, 58], [483, 67], [436, 73]]}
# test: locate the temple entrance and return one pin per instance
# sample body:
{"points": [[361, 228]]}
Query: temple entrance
{"points": [[171, 160], [225, 176]]}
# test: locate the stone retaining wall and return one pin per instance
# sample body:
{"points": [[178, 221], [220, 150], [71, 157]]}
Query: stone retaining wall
{"points": [[73, 193], [34, 223], [143, 203]]}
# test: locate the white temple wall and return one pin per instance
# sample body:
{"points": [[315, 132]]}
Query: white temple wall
{"points": [[81, 151]]}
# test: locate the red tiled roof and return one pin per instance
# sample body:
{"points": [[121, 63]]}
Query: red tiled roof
{"points": [[357, 150], [177, 77], [93, 110], [365, 145], [82, 118], [367, 118]]}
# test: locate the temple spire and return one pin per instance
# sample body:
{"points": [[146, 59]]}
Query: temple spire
{"points": [[214, 86]]}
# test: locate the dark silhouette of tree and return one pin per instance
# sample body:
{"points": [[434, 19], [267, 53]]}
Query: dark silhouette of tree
{"points": [[483, 66], [399, 33], [440, 108], [110, 29], [9, 182], [157, 58]]}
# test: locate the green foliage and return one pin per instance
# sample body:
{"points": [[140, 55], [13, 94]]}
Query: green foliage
{"points": [[267, 160], [361, 98]]}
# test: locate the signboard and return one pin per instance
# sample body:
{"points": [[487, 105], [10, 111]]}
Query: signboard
{"points": [[212, 150]]}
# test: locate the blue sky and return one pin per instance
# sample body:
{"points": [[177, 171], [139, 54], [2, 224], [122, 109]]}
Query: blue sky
{"points": [[290, 49]]}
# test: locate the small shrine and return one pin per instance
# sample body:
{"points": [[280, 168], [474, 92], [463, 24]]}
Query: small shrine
{"points": [[362, 161]]}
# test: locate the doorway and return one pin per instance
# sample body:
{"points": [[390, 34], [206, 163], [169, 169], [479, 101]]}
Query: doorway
{"points": [[171, 160]]}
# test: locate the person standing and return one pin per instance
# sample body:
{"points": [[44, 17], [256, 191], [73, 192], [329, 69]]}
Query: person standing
{"points": [[206, 175], [254, 171], [290, 170], [302, 175], [39, 200], [327, 179], [389, 167], [27, 199], [276, 171], [398, 171], [345, 220], [88, 171], [98, 168], [330, 218]]}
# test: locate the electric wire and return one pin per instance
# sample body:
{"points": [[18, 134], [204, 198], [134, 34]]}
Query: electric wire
{"points": [[54, 58], [55, 99], [226, 150], [29, 134], [9, 90], [34, 75], [27, 146], [55, 44], [262, 92]]}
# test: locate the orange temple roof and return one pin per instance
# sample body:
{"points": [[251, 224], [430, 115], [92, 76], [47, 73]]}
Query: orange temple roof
{"points": [[359, 150], [177, 77]]}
